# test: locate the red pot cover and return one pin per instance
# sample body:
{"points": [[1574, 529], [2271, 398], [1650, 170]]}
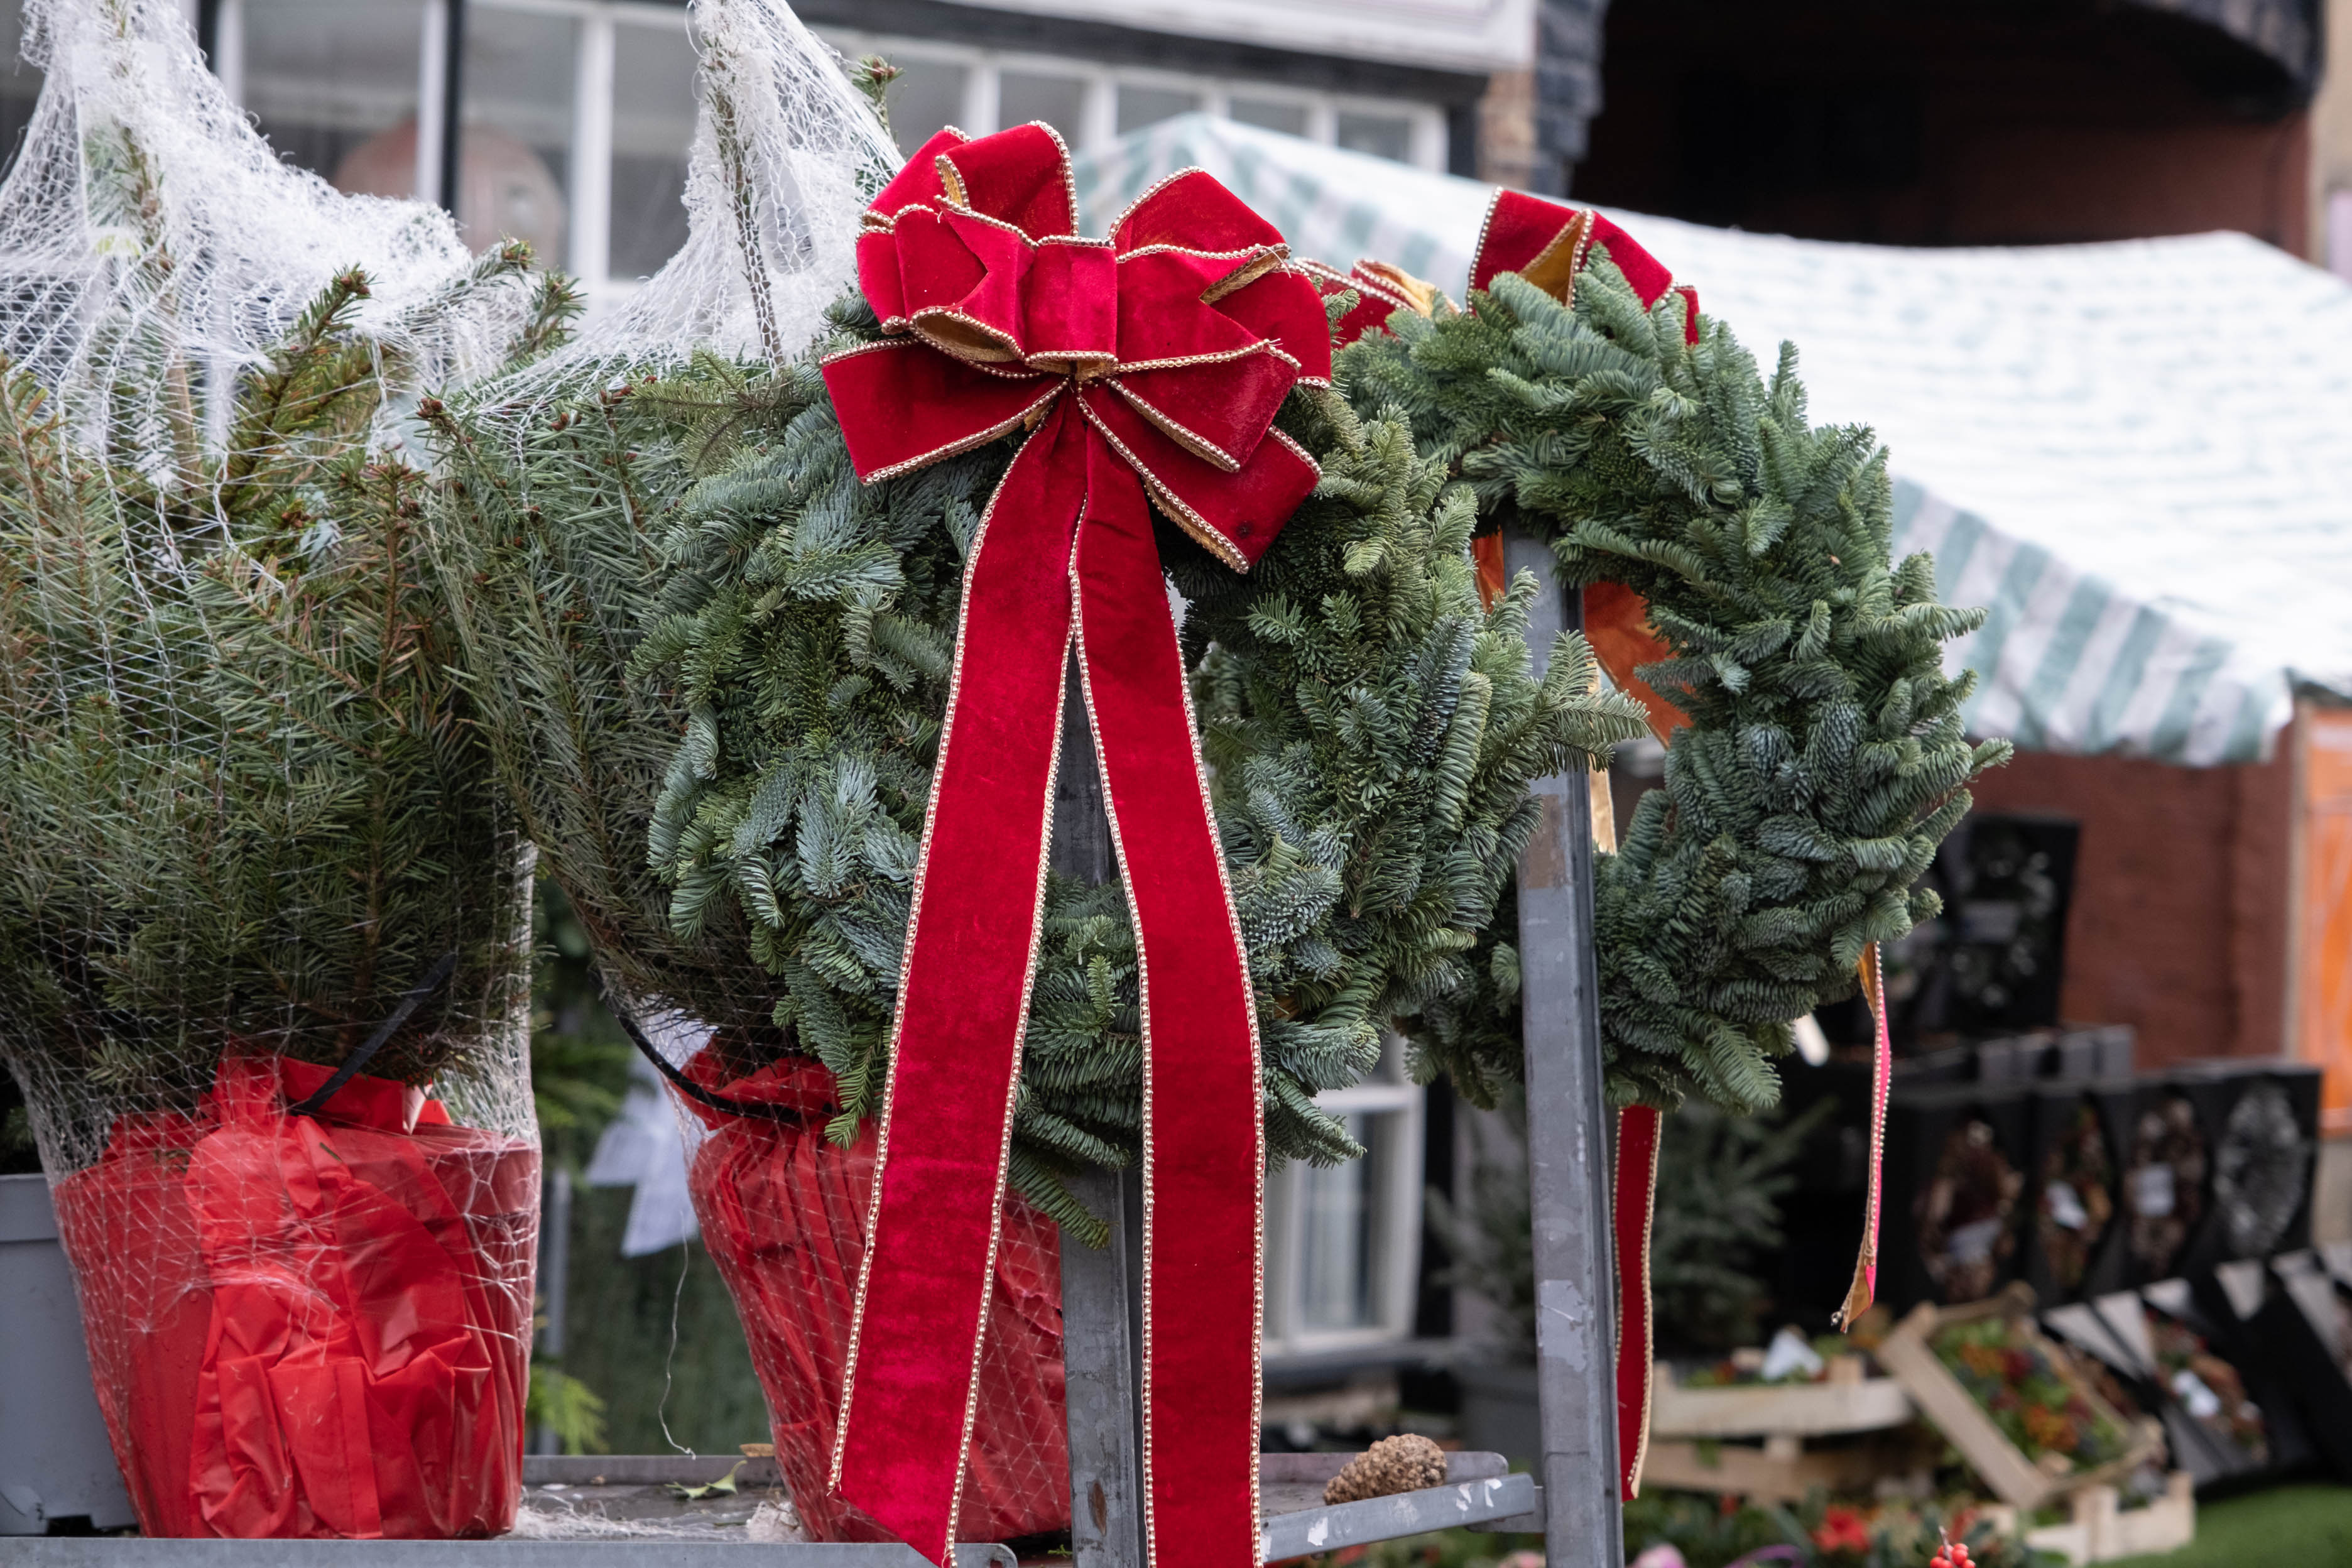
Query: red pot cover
{"points": [[784, 1216], [306, 1327]]}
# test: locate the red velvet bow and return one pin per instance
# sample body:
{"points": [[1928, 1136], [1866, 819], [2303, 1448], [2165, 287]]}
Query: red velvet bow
{"points": [[1152, 362]]}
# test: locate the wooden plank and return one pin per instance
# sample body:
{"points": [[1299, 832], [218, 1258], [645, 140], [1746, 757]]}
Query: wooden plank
{"points": [[1796, 1409], [649, 1469], [2166, 1525], [1462, 1465], [1293, 1483], [1101, 1287], [1568, 1140], [1676, 1466], [1100, 1293], [2014, 1477], [2100, 1531]]}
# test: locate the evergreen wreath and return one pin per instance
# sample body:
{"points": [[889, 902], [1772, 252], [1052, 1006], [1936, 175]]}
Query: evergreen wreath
{"points": [[1825, 757], [1370, 732]]}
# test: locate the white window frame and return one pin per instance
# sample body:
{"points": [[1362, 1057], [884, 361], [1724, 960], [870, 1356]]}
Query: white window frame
{"points": [[1426, 136], [1395, 1261], [588, 243], [590, 191]]}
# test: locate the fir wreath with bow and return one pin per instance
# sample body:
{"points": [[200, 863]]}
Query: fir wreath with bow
{"points": [[1741, 560]]}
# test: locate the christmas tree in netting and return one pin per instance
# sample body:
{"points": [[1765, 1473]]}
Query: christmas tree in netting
{"points": [[263, 917]]}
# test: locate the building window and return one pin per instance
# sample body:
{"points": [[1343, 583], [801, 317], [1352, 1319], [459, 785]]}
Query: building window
{"points": [[334, 84], [578, 114], [1141, 104], [521, 78], [20, 87], [577, 119], [981, 90], [653, 127], [1343, 1242]]}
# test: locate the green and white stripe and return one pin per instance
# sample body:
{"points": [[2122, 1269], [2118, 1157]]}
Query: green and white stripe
{"points": [[2138, 456], [2066, 661]]}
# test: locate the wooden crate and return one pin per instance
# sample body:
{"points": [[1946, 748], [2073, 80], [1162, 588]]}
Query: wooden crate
{"points": [[2014, 1479], [1782, 1470], [1847, 1402], [2101, 1530], [1686, 1423]]}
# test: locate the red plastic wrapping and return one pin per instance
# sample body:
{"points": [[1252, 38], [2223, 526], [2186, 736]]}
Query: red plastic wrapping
{"points": [[784, 1216], [310, 1326]]}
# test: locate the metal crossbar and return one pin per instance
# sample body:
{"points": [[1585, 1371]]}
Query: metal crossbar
{"points": [[1576, 1506]]}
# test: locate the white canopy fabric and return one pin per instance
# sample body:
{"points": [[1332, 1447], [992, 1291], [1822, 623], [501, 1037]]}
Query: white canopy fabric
{"points": [[2137, 454]]}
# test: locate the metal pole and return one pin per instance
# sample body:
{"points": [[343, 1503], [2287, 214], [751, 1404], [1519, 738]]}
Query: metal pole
{"points": [[1568, 1143], [1102, 1288], [554, 1282], [453, 108]]}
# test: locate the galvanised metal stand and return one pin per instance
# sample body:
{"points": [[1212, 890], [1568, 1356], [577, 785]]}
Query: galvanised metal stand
{"points": [[1101, 1289], [1568, 1161], [1567, 1141]]}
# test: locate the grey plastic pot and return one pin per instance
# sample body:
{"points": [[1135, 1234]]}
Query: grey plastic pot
{"points": [[1498, 1408], [56, 1468]]}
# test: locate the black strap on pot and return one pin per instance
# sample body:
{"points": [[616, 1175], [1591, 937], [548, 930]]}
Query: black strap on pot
{"points": [[418, 995], [757, 1110]]}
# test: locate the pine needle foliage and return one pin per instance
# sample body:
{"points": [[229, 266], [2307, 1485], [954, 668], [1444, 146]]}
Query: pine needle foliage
{"points": [[544, 528], [1371, 733], [1825, 758], [243, 805]]}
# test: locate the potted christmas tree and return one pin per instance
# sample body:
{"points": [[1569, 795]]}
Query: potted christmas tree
{"points": [[264, 921]]}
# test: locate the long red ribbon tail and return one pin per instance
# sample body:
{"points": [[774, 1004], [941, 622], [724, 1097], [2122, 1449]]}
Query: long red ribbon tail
{"points": [[908, 1391], [1635, 1200], [1203, 1156], [1864, 1287]]}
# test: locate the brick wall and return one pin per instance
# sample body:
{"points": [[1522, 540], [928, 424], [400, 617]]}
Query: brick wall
{"points": [[2182, 896]]}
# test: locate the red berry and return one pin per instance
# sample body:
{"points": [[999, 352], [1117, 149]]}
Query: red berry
{"points": [[1939, 1560], [1960, 1555]]}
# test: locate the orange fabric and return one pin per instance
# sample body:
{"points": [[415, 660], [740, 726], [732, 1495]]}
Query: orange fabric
{"points": [[2324, 1028], [1617, 625], [1487, 555]]}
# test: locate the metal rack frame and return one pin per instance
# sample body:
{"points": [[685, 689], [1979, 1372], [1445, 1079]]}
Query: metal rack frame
{"points": [[1576, 1505]]}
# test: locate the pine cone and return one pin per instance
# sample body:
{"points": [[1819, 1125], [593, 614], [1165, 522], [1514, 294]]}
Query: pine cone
{"points": [[1392, 1464]]}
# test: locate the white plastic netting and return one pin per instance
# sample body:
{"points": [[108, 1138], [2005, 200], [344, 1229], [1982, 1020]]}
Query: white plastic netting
{"points": [[550, 542], [264, 915], [562, 480], [153, 247], [786, 153]]}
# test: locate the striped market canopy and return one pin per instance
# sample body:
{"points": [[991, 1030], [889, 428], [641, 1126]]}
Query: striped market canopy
{"points": [[2137, 454]]}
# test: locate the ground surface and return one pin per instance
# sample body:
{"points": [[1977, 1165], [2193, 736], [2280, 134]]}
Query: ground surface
{"points": [[2288, 1527]]}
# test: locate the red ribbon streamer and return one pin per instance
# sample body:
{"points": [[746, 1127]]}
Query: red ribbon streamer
{"points": [[1634, 1199], [1150, 364]]}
